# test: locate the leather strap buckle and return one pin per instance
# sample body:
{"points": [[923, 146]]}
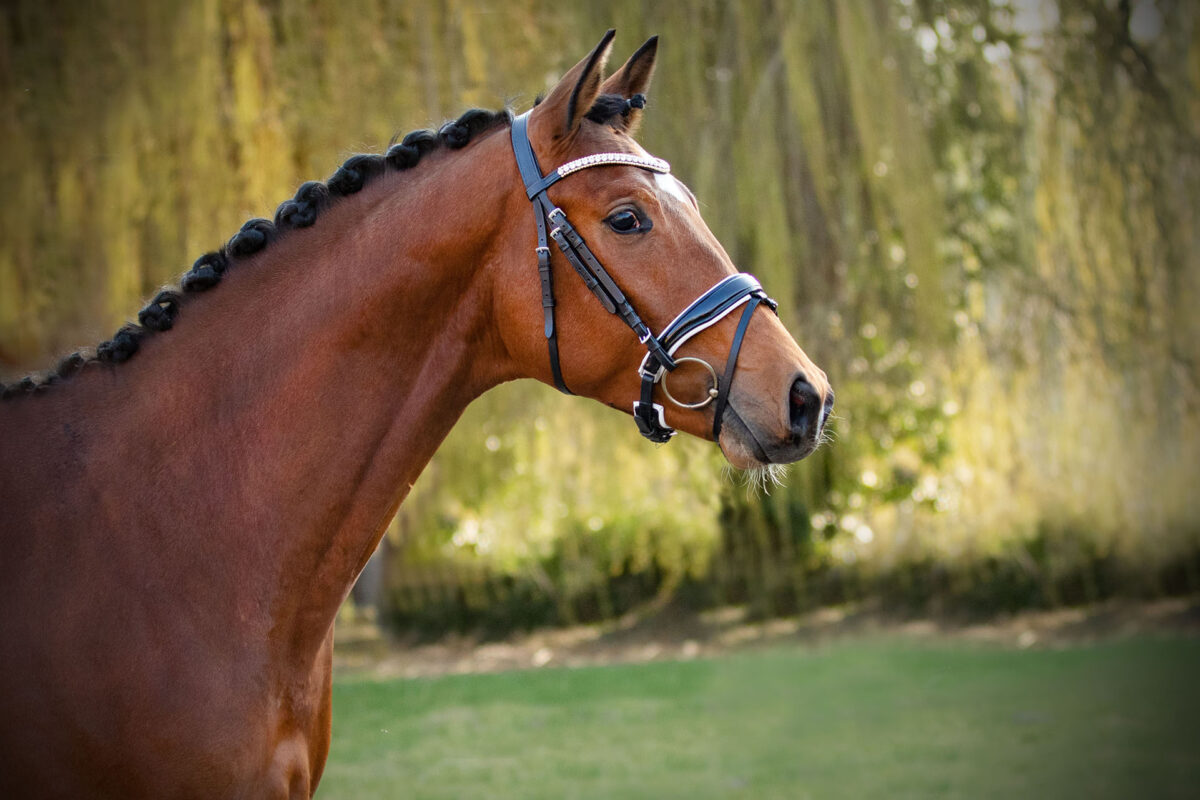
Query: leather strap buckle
{"points": [[651, 423]]}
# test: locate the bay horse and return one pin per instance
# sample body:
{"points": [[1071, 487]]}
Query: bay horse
{"points": [[185, 508]]}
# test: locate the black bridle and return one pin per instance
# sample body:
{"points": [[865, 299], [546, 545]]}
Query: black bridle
{"points": [[706, 311]]}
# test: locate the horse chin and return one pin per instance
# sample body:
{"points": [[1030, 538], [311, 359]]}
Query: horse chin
{"points": [[739, 456], [739, 444]]}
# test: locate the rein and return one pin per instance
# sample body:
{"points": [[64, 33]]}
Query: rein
{"points": [[704, 312]]}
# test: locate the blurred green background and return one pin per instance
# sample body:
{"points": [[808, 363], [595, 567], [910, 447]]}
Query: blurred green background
{"points": [[979, 217]]}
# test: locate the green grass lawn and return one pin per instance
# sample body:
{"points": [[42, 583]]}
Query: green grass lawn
{"points": [[877, 718]]}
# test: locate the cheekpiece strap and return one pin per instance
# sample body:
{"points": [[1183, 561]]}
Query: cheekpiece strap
{"points": [[531, 172], [578, 254]]}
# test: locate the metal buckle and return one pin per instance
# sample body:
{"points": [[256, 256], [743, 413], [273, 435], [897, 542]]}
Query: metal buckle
{"points": [[651, 422]]}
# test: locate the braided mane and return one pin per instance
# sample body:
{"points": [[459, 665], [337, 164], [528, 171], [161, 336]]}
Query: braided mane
{"points": [[299, 212]]}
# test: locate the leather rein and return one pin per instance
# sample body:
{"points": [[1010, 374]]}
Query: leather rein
{"points": [[730, 293]]}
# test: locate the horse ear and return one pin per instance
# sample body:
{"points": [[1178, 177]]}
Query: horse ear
{"points": [[633, 78], [563, 109]]}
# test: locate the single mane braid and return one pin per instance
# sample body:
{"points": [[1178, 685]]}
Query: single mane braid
{"points": [[301, 211], [608, 107]]}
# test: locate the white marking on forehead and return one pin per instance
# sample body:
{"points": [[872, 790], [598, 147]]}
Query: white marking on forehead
{"points": [[671, 185], [667, 182]]}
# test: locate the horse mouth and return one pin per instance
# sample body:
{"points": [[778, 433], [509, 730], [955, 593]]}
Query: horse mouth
{"points": [[744, 448]]}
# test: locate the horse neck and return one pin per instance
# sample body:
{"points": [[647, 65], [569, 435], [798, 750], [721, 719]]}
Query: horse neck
{"points": [[277, 427]]}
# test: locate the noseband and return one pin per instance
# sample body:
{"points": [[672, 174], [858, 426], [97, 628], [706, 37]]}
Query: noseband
{"points": [[707, 310]]}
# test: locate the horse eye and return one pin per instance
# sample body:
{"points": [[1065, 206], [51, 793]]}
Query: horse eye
{"points": [[628, 221]]}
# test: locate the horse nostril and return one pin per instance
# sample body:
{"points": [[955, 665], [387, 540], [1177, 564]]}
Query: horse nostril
{"points": [[804, 406], [798, 398]]}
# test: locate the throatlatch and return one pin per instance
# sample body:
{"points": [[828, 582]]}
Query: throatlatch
{"points": [[707, 310]]}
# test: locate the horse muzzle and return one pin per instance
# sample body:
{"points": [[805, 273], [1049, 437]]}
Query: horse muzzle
{"points": [[754, 437]]}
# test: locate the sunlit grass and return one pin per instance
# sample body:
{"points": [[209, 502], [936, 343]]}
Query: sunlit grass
{"points": [[860, 720]]}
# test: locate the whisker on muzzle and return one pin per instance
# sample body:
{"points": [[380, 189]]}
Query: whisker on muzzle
{"points": [[758, 480]]}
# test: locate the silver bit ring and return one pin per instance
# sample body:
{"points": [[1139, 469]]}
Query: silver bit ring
{"points": [[712, 393]]}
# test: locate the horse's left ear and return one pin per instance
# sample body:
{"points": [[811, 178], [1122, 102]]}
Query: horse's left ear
{"points": [[633, 78], [563, 109]]}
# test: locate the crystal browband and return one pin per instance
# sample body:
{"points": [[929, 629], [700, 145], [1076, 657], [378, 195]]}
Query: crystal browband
{"points": [[622, 159]]}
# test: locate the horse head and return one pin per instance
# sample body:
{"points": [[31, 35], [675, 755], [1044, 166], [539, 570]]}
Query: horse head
{"points": [[658, 321]]}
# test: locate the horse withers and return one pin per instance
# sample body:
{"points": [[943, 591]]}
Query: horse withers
{"points": [[184, 508]]}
